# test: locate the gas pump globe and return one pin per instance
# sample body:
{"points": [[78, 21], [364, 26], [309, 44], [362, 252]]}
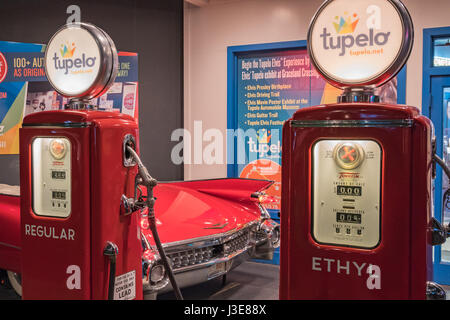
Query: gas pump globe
{"points": [[356, 179], [79, 169], [81, 75]]}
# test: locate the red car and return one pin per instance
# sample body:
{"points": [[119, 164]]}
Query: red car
{"points": [[207, 227]]}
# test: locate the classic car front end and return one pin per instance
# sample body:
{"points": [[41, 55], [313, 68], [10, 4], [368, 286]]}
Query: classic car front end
{"points": [[201, 259], [207, 228]]}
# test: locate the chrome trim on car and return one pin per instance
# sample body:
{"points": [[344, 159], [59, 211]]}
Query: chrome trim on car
{"points": [[206, 240], [195, 276], [193, 260], [264, 213], [147, 284], [217, 226]]}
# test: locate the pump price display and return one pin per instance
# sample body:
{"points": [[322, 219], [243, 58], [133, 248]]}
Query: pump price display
{"points": [[348, 191], [58, 174], [59, 195], [348, 217]]}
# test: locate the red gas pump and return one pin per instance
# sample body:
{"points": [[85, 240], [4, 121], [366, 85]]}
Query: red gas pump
{"points": [[356, 180], [79, 240]]}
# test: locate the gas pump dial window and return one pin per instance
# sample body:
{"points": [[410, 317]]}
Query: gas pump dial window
{"points": [[51, 161], [346, 200]]}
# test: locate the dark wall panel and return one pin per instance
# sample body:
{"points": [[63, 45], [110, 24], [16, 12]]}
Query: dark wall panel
{"points": [[153, 29]]}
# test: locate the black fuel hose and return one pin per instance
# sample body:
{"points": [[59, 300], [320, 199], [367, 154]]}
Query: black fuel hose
{"points": [[111, 252], [150, 183]]}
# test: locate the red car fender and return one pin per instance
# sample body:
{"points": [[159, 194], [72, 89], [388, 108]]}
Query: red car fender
{"points": [[10, 240]]}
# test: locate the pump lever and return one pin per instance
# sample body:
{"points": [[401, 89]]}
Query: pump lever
{"points": [[127, 205]]}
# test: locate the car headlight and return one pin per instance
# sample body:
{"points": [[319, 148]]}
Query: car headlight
{"points": [[155, 276], [156, 273], [276, 237]]}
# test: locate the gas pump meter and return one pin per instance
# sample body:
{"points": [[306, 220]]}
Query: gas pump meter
{"points": [[353, 199], [356, 180], [52, 175]]}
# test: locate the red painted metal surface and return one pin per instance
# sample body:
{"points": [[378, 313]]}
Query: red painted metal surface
{"points": [[404, 253], [188, 210], [10, 232], [184, 210], [98, 181]]}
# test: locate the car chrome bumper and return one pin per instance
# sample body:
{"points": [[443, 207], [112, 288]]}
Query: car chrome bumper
{"points": [[201, 260], [202, 273]]}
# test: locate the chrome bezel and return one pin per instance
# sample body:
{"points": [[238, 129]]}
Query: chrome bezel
{"points": [[383, 76], [150, 272], [360, 155]]}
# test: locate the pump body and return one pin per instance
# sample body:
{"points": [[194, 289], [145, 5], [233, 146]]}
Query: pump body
{"points": [[73, 173], [356, 203]]}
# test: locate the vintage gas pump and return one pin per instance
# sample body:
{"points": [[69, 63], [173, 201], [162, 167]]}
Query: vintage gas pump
{"points": [[78, 171], [356, 180]]}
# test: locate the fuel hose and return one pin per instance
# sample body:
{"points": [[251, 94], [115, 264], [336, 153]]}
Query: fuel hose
{"points": [[111, 251], [150, 183]]}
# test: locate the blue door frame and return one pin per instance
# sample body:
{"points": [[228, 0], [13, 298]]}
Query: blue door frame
{"points": [[433, 81]]}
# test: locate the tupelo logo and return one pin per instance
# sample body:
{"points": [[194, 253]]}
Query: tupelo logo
{"points": [[67, 51], [263, 144], [345, 28], [67, 62]]}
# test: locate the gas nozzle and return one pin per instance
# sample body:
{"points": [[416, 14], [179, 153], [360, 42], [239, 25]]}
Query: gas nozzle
{"points": [[147, 179]]}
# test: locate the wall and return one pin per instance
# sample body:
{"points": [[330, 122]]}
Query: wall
{"points": [[153, 29], [210, 29]]}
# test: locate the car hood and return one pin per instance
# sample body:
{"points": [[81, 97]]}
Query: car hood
{"points": [[195, 209]]}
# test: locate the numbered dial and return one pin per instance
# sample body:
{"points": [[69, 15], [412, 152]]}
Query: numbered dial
{"points": [[348, 155]]}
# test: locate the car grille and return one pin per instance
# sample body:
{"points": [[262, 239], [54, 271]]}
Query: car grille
{"points": [[261, 236], [194, 256], [221, 247], [239, 242]]}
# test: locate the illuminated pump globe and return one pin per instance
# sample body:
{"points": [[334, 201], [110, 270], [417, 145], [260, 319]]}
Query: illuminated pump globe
{"points": [[363, 43], [81, 61]]}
